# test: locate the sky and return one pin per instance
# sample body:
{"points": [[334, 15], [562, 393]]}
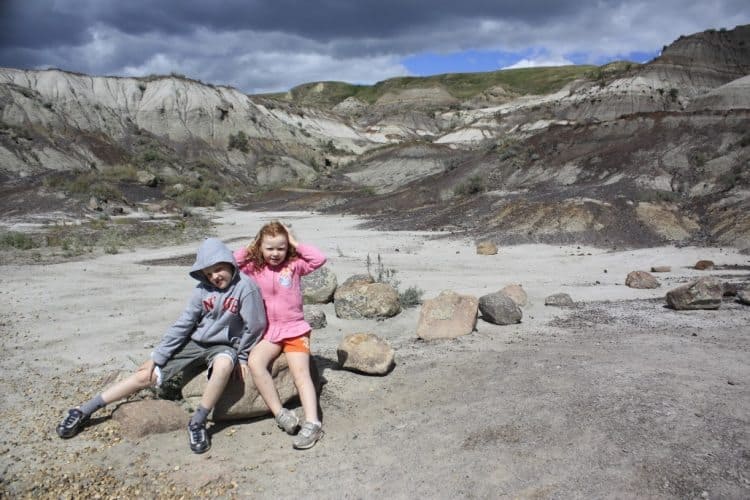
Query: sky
{"points": [[262, 46]]}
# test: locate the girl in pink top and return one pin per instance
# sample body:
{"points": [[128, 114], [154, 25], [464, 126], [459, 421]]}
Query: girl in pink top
{"points": [[277, 263]]}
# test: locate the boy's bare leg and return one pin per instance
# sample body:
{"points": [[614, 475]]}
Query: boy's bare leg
{"points": [[299, 365], [76, 418], [221, 370], [259, 363], [143, 377]]}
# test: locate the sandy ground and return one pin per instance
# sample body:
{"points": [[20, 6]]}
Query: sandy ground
{"points": [[617, 397]]}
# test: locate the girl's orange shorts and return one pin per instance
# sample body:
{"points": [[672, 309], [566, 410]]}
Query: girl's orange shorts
{"points": [[297, 344]]}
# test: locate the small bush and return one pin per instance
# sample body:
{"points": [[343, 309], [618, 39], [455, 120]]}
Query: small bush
{"points": [[411, 297], [14, 239], [201, 197], [150, 155], [239, 141], [474, 185]]}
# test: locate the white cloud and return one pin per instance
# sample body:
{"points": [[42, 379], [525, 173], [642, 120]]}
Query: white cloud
{"points": [[539, 62]]}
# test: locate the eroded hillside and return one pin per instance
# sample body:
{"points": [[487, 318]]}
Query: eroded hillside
{"points": [[623, 154]]}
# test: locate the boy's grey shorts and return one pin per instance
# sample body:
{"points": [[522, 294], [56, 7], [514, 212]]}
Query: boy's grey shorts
{"points": [[193, 358]]}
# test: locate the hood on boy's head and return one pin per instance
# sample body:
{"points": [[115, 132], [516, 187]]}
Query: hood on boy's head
{"points": [[212, 251]]}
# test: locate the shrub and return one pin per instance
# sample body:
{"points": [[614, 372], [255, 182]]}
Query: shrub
{"points": [[474, 185], [14, 239], [239, 141], [411, 297], [201, 197]]}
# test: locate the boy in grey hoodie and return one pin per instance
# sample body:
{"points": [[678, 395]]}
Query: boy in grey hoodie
{"points": [[223, 320]]}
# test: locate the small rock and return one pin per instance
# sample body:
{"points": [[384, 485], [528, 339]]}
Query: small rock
{"points": [[642, 280], [661, 269], [486, 248], [704, 265], [743, 296], [559, 300]]}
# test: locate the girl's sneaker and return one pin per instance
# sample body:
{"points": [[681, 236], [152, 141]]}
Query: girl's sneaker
{"points": [[287, 420], [72, 423], [308, 435]]}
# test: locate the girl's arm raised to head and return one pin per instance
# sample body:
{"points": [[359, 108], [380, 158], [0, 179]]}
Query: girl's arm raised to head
{"points": [[309, 258]]}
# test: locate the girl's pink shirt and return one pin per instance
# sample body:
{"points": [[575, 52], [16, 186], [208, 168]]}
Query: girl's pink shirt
{"points": [[281, 288]]}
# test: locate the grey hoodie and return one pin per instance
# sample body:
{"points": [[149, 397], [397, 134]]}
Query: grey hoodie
{"points": [[233, 316]]}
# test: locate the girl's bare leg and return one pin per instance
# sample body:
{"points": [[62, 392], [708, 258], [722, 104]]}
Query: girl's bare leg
{"points": [[259, 362], [299, 365]]}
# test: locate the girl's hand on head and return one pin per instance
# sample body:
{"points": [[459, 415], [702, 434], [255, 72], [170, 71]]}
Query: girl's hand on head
{"points": [[292, 240]]}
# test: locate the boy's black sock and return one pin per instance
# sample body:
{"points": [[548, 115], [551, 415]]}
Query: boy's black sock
{"points": [[93, 404], [200, 416]]}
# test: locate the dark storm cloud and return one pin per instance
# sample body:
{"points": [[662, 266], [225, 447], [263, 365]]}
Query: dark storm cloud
{"points": [[317, 20], [274, 44]]}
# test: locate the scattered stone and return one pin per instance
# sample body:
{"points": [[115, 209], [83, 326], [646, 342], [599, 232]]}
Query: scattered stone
{"points": [[240, 399], [365, 353], [447, 316], [499, 309], [147, 178], [743, 296], [661, 269], [149, 416], [486, 248], [703, 293], [731, 289], [176, 189], [315, 317], [319, 286], [517, 293], [361, 296], [559, 300], [94, 204], [641, 279], [704, 265]]}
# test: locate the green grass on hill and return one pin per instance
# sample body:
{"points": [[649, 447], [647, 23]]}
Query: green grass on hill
{"points": [[521, 81]]}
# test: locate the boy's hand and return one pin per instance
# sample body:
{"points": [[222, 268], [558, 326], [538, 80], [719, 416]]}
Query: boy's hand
{"points": [[148, 366]]}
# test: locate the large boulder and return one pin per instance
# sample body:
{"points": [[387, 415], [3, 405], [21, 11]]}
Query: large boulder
{"points": [[500, 309], [447, 316], [319, 286], [149, 416], [240, 399], [703, 293], [315, 317], [517, 293], [365, 353], [361, 296]]}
